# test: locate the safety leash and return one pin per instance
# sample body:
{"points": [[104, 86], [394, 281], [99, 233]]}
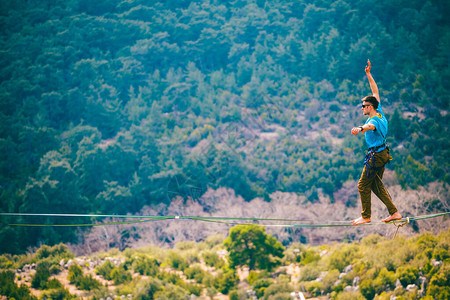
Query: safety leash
{"points": [[400, 225]]}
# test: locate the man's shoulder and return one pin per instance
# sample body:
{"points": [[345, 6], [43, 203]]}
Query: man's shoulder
{"points": [[378, 116]]}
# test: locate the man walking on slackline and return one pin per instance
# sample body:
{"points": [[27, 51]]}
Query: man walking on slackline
{"points": [[375, 130]]}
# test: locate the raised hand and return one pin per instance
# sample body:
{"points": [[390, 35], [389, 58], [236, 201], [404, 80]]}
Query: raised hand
{"points": [[368, 67]]}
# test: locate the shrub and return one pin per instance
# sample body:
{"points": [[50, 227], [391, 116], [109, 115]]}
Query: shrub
{"points": [[384, 279], [105, 270], [119, 275], [148, 289], [407, 275], [254, 275], [53, 284], [343, 257], [171, 292], [208, 280], [386, 296], [277, 288], [211, 292], [10, 289], [186, 245], [193, 289], [195, 273], [176, 261], [260, 285], [213, 259], [86, 283], [42, 275], [308, 256], [309, 272], [371, 240], [43, 252], [329, 280], [367, 288], [280, 296], [350, 296], [441, 254], [428, 269], [41, 278], [314, 287], [56, 252], [233, 295], [170, 277], [6, 261], [439, 288], [226, 281], [214, 240], [146, 266], [58, 294], [426, 240], [54, 269], [75, 273], [339, 288]]}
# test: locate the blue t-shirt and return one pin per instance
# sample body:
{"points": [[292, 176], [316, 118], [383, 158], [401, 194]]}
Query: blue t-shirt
{"points": [[377, 137]]}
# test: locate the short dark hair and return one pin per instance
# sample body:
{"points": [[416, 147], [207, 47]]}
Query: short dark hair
{"points": [[372, 100]]}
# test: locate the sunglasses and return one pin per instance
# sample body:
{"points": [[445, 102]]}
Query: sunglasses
{"points": [[365, 105]]}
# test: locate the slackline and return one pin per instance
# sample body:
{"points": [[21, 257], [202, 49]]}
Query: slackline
{"points": [[220, 220]]}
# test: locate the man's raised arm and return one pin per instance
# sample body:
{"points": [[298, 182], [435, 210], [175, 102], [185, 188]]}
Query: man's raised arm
{"points": [[373, 85]]}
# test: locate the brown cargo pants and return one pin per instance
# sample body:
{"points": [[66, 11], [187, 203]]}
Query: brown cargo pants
{"points": [[371, 180]]}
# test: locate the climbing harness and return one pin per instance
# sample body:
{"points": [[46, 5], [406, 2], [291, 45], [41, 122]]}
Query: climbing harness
{"points": [[369, 159]]}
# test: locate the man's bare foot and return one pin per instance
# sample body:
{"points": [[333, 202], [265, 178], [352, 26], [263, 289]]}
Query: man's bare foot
{"points": [[395, 216], [360, 221]]}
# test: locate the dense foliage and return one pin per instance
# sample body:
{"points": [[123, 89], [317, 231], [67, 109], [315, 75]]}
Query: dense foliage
{"points": [[110, 105], [249, 245], [375, 268]]}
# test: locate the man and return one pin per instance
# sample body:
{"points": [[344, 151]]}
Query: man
{"points": [[374, 130]]}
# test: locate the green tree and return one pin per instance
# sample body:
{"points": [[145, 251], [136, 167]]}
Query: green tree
{"points": [[114, 199], [54, 190], [397, 126], [249, 245]]}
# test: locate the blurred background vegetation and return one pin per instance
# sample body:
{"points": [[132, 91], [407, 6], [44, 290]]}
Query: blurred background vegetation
{"points": [[107, 106], [418, 268]]}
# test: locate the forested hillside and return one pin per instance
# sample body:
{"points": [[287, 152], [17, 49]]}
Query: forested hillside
{"points": [[108, 106]]}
